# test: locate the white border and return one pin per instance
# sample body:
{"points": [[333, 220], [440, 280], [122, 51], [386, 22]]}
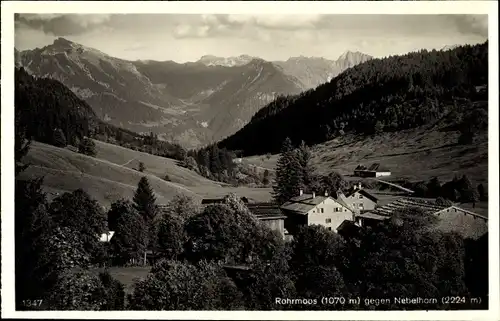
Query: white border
{"points": [[297, 7]]}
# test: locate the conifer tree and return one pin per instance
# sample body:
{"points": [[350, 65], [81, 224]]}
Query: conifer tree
{"points": [[288, 174], [434, 187], [467, 191], [482, 192], [145, 200], [145, 204], [304, 157], [21, 143], [58, 138]]}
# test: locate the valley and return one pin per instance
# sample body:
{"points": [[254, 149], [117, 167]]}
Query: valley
{"points": [[192, 104]]}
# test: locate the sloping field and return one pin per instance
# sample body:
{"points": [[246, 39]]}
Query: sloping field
{"points": [[158, 166], [107, 181], [417, 154]]}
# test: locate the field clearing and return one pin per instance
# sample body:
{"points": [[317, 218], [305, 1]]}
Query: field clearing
{"points": [[415, 155], [158, 166], [105, 181], [127, 275]]}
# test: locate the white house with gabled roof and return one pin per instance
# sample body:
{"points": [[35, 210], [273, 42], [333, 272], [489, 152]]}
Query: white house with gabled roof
{"points": [[329, 211]]}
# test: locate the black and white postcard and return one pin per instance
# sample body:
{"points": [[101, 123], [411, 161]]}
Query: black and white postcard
{"points": [[250, 160]]}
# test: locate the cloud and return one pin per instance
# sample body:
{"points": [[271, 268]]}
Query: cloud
{"points": [[269, 21], [192, 31], [252, 26], [471, 24], [62, 24]]}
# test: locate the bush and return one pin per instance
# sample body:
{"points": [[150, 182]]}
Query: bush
{"points": [[87, 147], [173, 285], [443, 202], [114, 293], [77, 290]]}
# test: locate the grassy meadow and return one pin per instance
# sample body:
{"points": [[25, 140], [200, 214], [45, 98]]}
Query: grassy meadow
{"points": [[111, 175]]}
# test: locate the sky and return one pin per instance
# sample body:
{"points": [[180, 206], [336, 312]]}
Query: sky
{"points": [[187, 37]]}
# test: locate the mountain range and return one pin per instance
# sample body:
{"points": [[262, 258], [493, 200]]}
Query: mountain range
{"points": [[192, 103], [381, 95]]}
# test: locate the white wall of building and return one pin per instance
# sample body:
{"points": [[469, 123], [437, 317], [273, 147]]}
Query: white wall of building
{"points": [[330, 214]]}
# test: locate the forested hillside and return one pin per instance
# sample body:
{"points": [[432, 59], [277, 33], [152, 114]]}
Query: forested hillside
{"points": [[380, 95], [50, 110]]}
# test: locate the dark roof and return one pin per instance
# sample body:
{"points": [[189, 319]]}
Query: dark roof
{"points": [[348, 228], [304, 203], [212, 200], [372, 216], [363, 192], [219, 200], [265, 210], [375, 167], [347, 224]]}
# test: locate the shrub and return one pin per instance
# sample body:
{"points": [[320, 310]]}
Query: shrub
{"points": [[114, 293], [87, 147], [141, 167]]}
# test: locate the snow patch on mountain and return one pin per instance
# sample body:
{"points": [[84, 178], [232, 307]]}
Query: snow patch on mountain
{"points": [[83, 93], [210, 60]]}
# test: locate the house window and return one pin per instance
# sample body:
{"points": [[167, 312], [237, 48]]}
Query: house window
{"points": [[328, 220], [360, 196], [329, 228], [322, 210]]}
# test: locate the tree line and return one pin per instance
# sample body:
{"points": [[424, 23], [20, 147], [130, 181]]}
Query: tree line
{"points": [[294, 172], [380, 95], [456, 190]]}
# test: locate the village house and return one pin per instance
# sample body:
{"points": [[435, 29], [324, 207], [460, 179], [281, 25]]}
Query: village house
{"points": [[270, 215], [106, 237], [451, 218], [360, 200], [311, 209], [375, 170]]}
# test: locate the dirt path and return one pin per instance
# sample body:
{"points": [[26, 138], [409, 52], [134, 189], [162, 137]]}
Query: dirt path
{"points": [[393, 185], [133, 159]]}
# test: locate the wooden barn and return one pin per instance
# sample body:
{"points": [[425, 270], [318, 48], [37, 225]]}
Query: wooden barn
{"points": [[270, 214]]}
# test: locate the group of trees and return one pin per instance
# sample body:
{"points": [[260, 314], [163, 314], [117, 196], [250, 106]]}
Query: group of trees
{"points": [[214, 163], [56, 244], [457, 190], [380, 95], [295, 172]]}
